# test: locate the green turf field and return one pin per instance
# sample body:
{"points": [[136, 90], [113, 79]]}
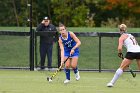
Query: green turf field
{"points": [[23, 81]]}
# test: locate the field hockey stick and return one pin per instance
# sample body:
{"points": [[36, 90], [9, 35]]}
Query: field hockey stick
{"points": [[55, 73], [131, 71]]}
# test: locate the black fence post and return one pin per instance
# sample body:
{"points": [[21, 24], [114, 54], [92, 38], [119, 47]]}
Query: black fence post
{"points": [[99, 52], [31, 39], [58, 50], [58, 55], [32, 50]]}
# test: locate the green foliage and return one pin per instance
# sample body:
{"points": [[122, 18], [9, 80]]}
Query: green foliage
{"points": [[73, 13], [127, 11], [70, 12], [79, 16], [110, 22]]}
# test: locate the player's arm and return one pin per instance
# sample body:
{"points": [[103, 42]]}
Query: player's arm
{"points": [[62, 50], [78, 42], [120, 45], [40, 26]]}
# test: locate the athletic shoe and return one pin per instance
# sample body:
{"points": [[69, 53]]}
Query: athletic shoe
{"points": [[77, 76], [110, 84], [66, 81]]}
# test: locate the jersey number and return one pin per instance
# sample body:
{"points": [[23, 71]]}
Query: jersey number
{"points": [[69, 45], [134, 40]]}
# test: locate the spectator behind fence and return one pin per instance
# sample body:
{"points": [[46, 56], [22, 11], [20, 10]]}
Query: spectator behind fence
{"points": [[46, 42]]}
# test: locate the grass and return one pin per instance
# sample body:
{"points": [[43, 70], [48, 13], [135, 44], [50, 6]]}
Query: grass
{"points": [[23, 81], [74, 29], [99, 29], [19, 29]]}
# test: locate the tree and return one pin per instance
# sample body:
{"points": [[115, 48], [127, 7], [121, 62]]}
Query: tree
{"points": [[69, 12], [128, 11]]}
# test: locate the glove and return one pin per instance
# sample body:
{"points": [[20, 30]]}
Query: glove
{"points": [[120, 55]]}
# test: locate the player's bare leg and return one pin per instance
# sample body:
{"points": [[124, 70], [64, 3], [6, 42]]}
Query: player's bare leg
{"points": [[125, 63], [138, 63]]}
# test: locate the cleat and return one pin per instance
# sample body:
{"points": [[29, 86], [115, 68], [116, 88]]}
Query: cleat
{"points": [[66, 81], [77, 76], [110, 85]]}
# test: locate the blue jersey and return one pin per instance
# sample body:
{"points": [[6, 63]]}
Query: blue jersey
{"points": [[68, 44]]}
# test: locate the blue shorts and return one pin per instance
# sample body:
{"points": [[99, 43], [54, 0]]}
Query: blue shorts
{"points": [[67, 53]]}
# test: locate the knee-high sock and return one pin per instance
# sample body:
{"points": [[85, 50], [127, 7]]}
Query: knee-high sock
{"points": [[75, 70], [67, 71], [117, 75]]}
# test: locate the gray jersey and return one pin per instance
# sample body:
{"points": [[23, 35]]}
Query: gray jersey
{"points": [[131, 44]]}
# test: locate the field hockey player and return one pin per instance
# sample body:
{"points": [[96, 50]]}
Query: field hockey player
{"points": [[69, 46], [133, 52]]}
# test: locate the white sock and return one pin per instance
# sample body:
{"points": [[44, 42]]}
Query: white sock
{"points": [[117, 75]]}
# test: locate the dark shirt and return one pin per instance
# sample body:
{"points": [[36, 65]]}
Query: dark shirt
{"points": [[46, 38]]}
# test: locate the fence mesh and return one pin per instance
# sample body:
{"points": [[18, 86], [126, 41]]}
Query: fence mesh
{"points": [[14, 52], [88, 58]]}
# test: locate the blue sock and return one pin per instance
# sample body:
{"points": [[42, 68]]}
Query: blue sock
{"points": [[67, 71], [75, 70]]}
